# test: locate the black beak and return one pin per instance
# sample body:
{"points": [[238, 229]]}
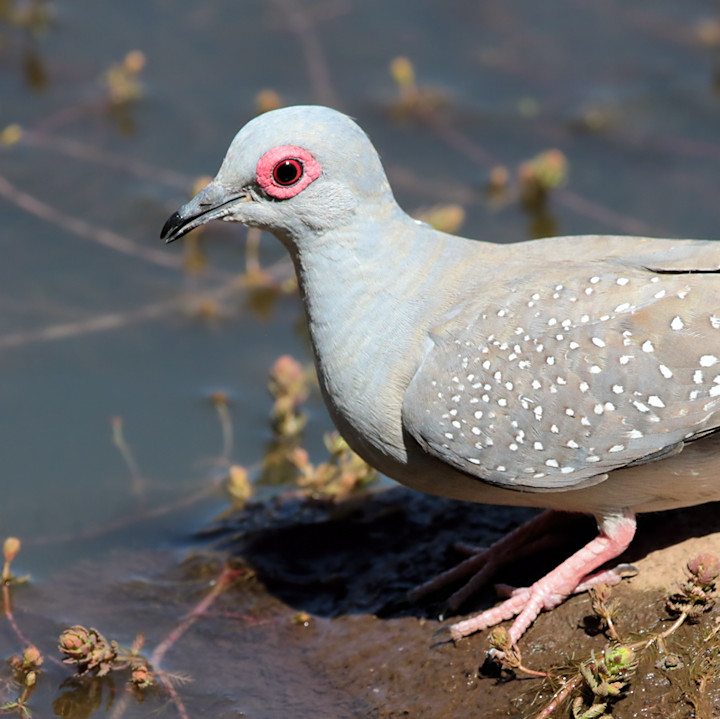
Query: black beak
{"points": [[212, 202], [174, 228]]}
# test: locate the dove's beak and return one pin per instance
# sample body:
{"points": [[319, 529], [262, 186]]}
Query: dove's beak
{"points": [[213, 202]]}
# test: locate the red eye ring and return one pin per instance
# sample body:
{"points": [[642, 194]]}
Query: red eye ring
{"points": [[288, 171], [285, 171]]}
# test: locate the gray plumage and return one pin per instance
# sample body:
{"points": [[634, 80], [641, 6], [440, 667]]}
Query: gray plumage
{"points": [[578, 373]]}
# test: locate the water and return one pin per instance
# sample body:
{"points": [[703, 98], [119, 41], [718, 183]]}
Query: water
{"points": [[515, 79]]}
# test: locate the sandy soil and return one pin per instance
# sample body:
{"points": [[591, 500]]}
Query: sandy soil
{"points": [[350, 566]]}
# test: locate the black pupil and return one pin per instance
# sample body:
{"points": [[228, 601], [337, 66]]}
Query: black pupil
{"points": [[287, 172]]}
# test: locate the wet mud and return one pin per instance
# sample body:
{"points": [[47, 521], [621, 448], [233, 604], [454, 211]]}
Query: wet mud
{"points": [[349, 567]]}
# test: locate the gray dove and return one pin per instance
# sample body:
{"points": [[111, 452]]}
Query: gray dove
{"points": [[570, 373]]}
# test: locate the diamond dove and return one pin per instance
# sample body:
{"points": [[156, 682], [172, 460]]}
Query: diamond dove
{"points": [[569, 373]]}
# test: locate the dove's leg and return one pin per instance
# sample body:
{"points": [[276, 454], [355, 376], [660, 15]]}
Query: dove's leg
{"points": [[540, 532], [616, 533]]}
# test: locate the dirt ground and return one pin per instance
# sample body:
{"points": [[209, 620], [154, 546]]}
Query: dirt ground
{"points": [[319, 626], [349, 566]]}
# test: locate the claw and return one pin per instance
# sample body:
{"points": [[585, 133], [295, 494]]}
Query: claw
{"points": [[573, 575]]}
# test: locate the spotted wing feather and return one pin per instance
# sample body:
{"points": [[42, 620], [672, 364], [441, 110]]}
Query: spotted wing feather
{"points": [[557, 381]]}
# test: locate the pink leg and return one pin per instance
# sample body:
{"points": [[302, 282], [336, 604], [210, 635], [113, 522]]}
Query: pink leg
{"points": [[484, 563], [616, 533], [496, 561], [607, 576]]}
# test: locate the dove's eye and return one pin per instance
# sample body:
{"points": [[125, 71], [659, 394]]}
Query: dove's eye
{"points": [[285, 171], [288, 171]]}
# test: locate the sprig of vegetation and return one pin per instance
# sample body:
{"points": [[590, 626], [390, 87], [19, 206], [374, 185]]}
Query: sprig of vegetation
{"points": [[91, 653], [601, 680]]}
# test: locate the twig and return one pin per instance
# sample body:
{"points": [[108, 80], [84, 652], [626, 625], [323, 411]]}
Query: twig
{"points": [[177, 701], [117, 320], [100, 323], [226, 427], [137, 480], [66, 115], [121, 703], [252, 255], [676, 625], [87, 153], [582, 206], [126, 520], [7, 609], [81, 228], [458, 140], [560, 695], [225, 579]]}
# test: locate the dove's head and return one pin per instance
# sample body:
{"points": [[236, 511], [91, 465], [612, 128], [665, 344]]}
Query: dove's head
{"points": [[294, 171]]}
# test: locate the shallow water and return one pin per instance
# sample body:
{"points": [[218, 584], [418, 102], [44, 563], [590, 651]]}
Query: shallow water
{"points": [[96, 325]]}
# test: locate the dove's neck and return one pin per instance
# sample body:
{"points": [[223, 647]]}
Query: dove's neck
{"points": [[372, 290]]}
